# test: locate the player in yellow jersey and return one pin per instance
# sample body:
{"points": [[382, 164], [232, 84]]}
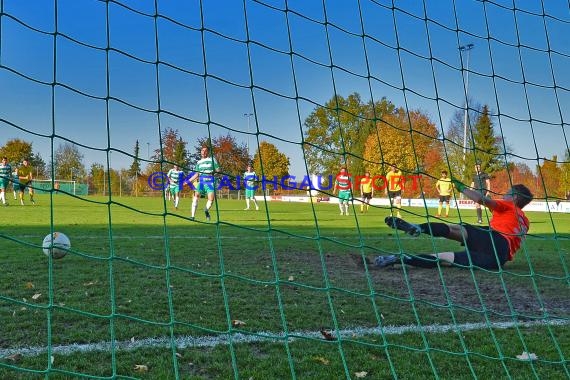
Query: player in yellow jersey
{"points": [[25, 177], [366, 191], [444, 188], [394, 181]]}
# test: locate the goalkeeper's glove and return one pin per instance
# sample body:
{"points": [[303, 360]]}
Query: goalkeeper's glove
{"points": [[458, 185]]}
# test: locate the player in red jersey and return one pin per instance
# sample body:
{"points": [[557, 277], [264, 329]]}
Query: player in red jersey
{"points": [[486, 247]]}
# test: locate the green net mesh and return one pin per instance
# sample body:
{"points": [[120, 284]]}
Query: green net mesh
{"points": [[110, 92]]}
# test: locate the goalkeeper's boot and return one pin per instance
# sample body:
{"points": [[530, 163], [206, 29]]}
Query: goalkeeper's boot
{"points": [[402, 225], [385, 261]]}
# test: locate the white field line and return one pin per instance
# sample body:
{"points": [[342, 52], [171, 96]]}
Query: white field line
{"points": [[240, 338]]}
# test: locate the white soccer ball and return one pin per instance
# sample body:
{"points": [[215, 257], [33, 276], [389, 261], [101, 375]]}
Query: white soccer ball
{"points": [[56, 244]]}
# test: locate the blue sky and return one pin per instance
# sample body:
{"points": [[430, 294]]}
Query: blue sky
{"points": [[208, 76]]}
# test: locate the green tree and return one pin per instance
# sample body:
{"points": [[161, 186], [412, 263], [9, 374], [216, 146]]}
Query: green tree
{"points": [[135, 169], [486, 146], [68, 162], [268, 161], [336, 133], [39, 165], [452, 147], [16, 150]]}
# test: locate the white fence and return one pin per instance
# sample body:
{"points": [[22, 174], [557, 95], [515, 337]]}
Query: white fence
{"points": [[552, 206]]}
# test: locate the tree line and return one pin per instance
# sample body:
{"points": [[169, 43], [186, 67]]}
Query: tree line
{"points": [[344, 132], [372, 136], [68, 163]]}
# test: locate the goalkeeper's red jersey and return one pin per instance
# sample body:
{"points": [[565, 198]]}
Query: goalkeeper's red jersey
{"points": [[511, 222]]}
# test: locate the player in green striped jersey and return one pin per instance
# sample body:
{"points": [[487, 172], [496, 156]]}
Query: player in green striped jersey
{"points": [[174, 176], [205, 169], [249, 178], [15, 183], [5, 174]]}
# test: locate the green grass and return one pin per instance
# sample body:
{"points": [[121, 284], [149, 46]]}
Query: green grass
{"points": [[137, 272]]}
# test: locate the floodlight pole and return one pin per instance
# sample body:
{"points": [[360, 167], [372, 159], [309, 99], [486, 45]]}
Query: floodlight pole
{"points": [[466, 48], [248, 115], [72, 181]]}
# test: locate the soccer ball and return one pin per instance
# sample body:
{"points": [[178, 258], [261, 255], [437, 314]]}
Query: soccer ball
{"points": [[56, 244]]}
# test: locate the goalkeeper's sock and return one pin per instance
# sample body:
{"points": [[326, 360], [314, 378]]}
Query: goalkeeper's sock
{"points": [[422, 261], [439, 210], [435, 229]]}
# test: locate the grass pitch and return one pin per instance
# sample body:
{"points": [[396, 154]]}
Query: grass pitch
{"points": [[269, 294]]}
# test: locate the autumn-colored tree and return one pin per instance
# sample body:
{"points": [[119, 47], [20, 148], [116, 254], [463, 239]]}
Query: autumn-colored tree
{"points": [[336, 133], [549, 175], [172, 151], [139, 185], [268, 161], [68, 162], [401, 139], [514, 173], [565, 176], [16, 150], [433, 165], [96, 178], [112, 181]]}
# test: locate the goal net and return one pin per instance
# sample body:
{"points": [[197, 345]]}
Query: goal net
{"points": [[117, 92]]}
